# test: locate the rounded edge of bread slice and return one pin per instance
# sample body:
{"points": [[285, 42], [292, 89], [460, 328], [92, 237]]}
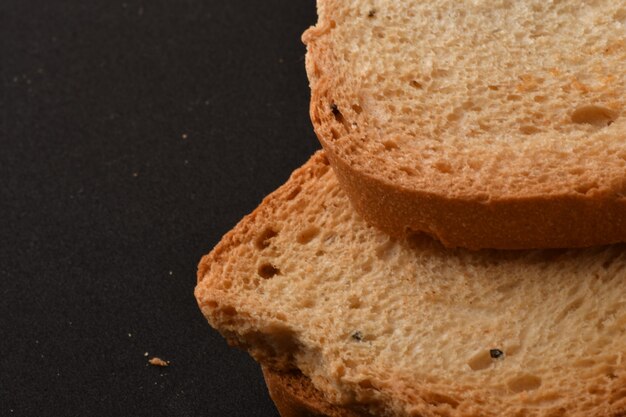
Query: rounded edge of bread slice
{"points": [[295, 396], [538, 222], [394, 194]]}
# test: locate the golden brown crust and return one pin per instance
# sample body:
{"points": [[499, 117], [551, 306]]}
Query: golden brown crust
{"points": [[531, 222], [295, 396]]}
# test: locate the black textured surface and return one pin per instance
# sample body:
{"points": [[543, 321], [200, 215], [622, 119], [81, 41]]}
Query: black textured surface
{"points": [[133, 135]]}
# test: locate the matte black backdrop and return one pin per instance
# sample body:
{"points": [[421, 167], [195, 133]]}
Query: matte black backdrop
{"points": [[134, 133]]}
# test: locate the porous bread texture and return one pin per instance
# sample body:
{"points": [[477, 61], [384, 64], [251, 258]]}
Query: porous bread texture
{"points": [[481, 97], [512, 105], [406, 327]]}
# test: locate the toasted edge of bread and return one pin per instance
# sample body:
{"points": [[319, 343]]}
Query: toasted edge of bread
{"points": [[533, 222], [295, 396]]}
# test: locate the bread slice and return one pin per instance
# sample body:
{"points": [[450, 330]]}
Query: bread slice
{"points": [[409, 328], [484, 123]]}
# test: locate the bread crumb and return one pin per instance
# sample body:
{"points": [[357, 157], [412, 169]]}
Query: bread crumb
{"points": [[145, 354], [158, 362]]}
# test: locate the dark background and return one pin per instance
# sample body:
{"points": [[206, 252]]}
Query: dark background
{"points": [[133, 135]]}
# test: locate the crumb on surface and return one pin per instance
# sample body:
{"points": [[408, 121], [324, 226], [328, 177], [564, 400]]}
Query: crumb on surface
{"points": [[158, 362]]}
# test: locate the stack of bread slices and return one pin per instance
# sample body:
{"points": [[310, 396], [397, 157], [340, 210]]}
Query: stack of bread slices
{"points": [[455, 248]]}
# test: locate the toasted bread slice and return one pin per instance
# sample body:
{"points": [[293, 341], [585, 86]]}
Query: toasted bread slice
{"points": [[487, 124], [408, 328]]}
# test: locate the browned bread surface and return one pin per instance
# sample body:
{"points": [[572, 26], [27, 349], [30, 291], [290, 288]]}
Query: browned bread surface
{"points": [[405, 327], [487, 124], [295, 396]]}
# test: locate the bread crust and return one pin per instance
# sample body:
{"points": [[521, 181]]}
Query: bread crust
{"points": [[295, 396], [561, 219], [552, 221]]}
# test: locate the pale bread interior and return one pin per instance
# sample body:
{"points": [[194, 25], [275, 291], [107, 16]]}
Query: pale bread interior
{"points": [[492, 98]]}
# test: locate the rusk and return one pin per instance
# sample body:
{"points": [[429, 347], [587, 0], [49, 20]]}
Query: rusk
{"points": [[405, 327], [484, 123]]}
